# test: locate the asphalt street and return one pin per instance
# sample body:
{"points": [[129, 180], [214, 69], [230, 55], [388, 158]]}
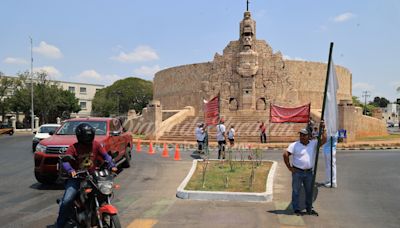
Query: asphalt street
{"points": [[367, 193]]}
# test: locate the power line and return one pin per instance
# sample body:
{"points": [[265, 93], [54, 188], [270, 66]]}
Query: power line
{"points": [[365, 94]]}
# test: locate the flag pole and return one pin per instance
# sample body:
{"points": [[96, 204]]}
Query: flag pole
{"points": [[322, 118], [331, 161]]}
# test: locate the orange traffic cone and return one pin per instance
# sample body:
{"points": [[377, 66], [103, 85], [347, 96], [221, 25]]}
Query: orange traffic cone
{"points": [[138, 148], [165, 151], [151, 151], [177, 154]]}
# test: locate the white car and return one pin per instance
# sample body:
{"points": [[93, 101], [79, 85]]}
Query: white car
{"points": [[45, 131]]}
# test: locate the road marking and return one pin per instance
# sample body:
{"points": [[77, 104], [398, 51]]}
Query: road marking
{"points": [[157, 208], [285, 216], [142, 223]]}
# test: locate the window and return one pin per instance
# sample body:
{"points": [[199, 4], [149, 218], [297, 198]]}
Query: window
{"points": [[71, 89], [82, 90], [83, 105]]}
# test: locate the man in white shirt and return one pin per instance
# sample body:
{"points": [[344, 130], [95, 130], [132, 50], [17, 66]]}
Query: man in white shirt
{"points": [[199, 132], [303, 152], [221, 139]]}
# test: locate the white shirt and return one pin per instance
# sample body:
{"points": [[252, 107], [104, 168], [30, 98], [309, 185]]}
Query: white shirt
{"points": [[220, 132], [231, 133], [199, 134], [303, 155]]}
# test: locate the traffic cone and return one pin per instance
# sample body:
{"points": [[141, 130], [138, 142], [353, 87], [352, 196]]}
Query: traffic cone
{"points": [[165, 152], [151, 151], [138, 148], [177, 154]]}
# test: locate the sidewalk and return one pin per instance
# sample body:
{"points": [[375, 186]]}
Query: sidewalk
{"points": [[358, 145]]}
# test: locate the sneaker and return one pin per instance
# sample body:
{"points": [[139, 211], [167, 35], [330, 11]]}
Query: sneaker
{"points": [[298, 212], [312, 212], [328, 185]]}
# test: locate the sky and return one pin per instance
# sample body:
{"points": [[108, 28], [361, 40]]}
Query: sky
{"points": [[101, 41]]}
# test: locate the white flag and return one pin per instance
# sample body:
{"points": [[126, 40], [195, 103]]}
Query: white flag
{"points": [[331, 116]]}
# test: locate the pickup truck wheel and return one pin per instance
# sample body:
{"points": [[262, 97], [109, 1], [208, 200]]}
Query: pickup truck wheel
{"points": [[11, 132], [45, 179], [127, 162]]}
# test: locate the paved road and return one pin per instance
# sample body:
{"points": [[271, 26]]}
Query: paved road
{"points": [[368, 194]]}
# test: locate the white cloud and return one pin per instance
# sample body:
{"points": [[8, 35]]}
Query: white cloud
{"points": [[286, 57], [17, 61], [147, 72], [343, 17], [51, 71], [92, 76], [89, 75], [48, 50], [363, 86], [140, 54]]}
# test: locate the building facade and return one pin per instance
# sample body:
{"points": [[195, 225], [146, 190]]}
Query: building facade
{"points": [[85, 92], [391, 113]]}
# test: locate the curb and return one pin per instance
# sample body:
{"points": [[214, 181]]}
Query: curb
{"points": [[227, 196]]}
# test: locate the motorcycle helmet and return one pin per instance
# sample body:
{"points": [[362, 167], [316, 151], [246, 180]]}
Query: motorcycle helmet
{"points": [[85, 133]]}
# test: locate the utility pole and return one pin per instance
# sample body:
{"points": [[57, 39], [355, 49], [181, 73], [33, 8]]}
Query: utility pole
{"points": [[32, 111], [365, 94]]}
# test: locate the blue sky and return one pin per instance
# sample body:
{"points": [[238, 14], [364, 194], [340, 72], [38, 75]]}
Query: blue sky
{"points": [[100, 41]]}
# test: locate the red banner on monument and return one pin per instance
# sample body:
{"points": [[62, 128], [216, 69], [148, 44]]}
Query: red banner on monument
{"points": [[294, 115], [211, 111]]}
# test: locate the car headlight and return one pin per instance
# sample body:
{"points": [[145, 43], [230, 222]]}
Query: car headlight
{"points": [[105, 187], [41, 148]]}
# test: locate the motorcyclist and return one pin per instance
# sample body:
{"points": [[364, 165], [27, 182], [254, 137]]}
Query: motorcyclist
{"points": [[87, 154]]}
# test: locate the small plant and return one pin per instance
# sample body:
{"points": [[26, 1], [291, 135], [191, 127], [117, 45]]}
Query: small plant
{"points": [[230, 160], [204, 168], [226, 181]]}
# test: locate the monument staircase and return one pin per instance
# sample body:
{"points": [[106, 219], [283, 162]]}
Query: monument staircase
{"points": [[246, 127]]}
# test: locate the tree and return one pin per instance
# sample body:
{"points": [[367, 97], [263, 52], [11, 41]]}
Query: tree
{"points": [[6, 84], [50, 100], [380, 102], [356, 101], [123, 95]]}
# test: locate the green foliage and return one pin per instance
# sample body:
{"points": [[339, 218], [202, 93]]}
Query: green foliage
{"points": [[123, 95], [356, 101], [50, 101], [379, 102]]}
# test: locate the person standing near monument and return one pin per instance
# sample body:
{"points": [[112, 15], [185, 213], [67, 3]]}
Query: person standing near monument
{"points": [[231, 136], [221, 139], [303, 151], [331, 141], [263, 135], [199, 132]]}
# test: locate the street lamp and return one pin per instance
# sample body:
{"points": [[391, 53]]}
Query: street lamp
{"points": [[32, 111]]}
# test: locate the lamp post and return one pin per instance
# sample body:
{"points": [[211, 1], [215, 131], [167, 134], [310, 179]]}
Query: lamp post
{"points": [[32, 111], [365, 94]]}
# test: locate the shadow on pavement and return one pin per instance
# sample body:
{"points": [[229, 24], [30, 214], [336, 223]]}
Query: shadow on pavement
{"points": [[39, 186]]}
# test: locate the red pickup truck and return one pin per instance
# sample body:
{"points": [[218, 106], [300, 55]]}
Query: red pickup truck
{"points": [[109, 133]]}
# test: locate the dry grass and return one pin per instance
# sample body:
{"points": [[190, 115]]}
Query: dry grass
{"points": [[380, 138], [238, 180]]}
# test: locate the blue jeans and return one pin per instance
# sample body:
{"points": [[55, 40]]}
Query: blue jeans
{"points": [[299, 178], [66, 209]]}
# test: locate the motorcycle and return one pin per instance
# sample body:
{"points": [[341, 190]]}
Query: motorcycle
{"points": [[92, 206]]}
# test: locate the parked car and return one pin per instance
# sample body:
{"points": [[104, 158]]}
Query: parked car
{"points": [[6, 128], [390, 124], [109, 133], [44, 131]]}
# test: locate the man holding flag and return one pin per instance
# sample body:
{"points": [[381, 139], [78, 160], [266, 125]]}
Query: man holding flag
{"points": [[331, 123]]}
